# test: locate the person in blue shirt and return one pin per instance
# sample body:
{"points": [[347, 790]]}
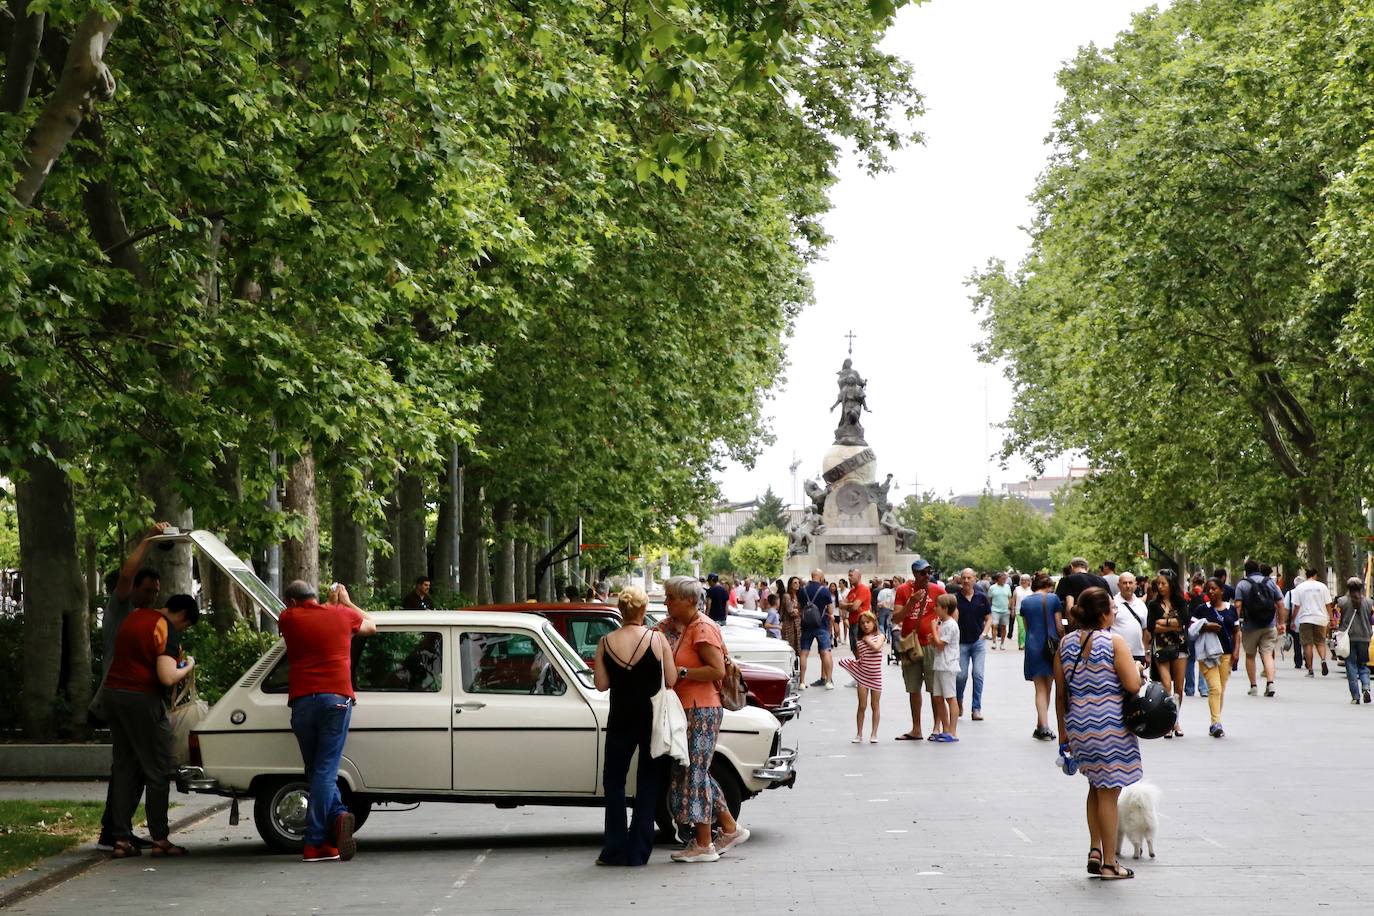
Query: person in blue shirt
{"points": [[974, 609], [1218, 616], [815, 600], [717, 597]]}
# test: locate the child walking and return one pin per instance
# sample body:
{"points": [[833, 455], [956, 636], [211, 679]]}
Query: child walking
{"points": [[946, 642], [867, 670], [773, 624]]}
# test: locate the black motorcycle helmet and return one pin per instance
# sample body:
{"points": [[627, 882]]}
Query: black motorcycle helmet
{"points": [[1151, 713]]}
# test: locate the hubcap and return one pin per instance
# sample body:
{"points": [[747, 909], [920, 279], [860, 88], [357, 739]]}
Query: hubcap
{"points": [[289, 810]]}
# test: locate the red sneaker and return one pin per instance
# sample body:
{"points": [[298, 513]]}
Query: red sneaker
{"points": [[343, 836], [320, 854]]}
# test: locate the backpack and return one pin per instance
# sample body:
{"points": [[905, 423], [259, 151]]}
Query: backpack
{"points": [[1257, 603], [812, 616]]}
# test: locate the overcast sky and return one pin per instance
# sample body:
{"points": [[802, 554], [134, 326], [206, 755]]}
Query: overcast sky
{"points": [[904, 243]]}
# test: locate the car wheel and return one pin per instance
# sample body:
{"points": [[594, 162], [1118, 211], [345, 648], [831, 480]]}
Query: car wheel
{"points": [[359, 805], [724, 774], [279, 813]]}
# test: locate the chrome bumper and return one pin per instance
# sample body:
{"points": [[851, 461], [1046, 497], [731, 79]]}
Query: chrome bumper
{"points": [[779, 770], [193, 779], [789, 708]]}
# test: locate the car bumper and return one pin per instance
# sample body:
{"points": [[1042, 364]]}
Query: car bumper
{"points": [[193, 779], [780, 770], [788, 709]]}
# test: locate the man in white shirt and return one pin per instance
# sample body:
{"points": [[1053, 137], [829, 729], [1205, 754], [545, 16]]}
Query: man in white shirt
{"points": [[1130, 616], [750, 596], [1311, 603]]}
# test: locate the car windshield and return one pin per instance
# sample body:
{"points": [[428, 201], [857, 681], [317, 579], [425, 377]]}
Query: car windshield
{"points": [[575, 664]]}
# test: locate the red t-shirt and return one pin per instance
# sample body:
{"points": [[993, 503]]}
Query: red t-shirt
{"points": [[319, 640], [862, 596], [925, 616], [143, 636]]}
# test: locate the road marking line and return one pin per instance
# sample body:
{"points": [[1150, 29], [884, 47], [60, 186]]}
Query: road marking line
{"points": [[898, 831], [848, 775], [922, 873], [1207, 839], [1018, 832], [877, 799], [836, 756], [464, 878]]}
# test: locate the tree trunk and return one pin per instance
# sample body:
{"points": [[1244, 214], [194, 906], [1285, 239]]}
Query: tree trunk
{"points": [[446, 561], [484, 593], [84, 79], [472, 545], [349, 541], [531, 555], [504, 586], [77, 640], [23, 54], [521, 558], [411, 530], [301, 555], [92, 558], [173, 563], [386, 567], [1343, 545], [1316, 548], [54, 594]]}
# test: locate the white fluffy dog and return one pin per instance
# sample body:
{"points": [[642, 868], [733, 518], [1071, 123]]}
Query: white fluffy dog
{"points": [[1137, 818]]}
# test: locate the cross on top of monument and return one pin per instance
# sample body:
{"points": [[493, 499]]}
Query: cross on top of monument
{"points": [[850, 337]]}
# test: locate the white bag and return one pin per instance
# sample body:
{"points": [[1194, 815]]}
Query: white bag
{"points": [[1340, 645], [187, 711], [669, 734]]}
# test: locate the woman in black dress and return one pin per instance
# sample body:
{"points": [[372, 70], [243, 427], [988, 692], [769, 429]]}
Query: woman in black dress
{"points": [[1167, 624], [632, 663]]}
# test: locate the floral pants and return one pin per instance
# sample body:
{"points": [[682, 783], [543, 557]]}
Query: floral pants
{"points": [[695, 796]]}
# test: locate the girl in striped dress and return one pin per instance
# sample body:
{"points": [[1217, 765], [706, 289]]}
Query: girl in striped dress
{"points": [[1093, 669], [867, 670]]}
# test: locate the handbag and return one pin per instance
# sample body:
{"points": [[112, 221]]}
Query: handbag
{"points": [[1051, 647], [1340, 644], [909, 647], [186, 712], [668, 737], [734, 696]]}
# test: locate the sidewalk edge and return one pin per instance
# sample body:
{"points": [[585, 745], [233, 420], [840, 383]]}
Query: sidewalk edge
{"points": [[67, 865]]}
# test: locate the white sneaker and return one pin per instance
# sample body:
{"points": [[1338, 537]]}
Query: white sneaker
{"points": [[695, 853], [829, 685], [1252, 692], [731, 840]]}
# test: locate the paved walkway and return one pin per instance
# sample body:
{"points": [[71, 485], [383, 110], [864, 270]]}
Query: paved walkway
{"points": [[1271, 818]]}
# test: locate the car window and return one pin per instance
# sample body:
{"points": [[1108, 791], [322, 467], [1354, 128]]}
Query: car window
{"points": [[585, 632], [507, 663], [399, 661], [277, 679]]}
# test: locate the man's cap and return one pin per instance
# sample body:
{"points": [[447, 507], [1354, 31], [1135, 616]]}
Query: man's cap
{"points": [[713, 577], [920, 566]]}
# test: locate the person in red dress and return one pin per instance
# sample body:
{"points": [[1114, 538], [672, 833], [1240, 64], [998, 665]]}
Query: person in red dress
{"points": [[867, 671]]}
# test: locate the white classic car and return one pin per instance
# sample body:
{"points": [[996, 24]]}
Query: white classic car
{"points": [[748, 644]]}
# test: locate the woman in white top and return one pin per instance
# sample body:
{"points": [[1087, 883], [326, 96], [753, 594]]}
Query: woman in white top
{"points": [[1022, 590]]}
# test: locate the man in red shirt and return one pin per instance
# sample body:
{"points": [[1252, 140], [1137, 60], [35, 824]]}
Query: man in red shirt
{"points": [[859, 599], [914, 609], [319, 642]]}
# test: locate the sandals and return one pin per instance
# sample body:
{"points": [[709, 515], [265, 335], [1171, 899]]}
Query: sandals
{"points": [[1116, 872], [123, 849], [906, 736], [166, 849], [1094, 864]]}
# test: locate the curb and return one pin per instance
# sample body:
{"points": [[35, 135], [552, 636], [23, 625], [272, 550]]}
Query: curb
{"points": [[50, 872]]}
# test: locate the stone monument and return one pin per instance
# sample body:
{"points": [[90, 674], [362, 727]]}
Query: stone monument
{"points": [[848, 520]]}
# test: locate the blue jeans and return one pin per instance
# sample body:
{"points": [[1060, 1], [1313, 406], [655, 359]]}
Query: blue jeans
{"points": [[630, 844], [977, 654], [320, 722], [885, 622], [1357, 667]]}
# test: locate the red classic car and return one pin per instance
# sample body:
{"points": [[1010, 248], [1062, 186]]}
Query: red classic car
{"points": [[583, 625]]}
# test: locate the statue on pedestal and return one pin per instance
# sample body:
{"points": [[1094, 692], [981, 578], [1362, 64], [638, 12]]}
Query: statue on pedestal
{"points": [[816, 493], [800, 533], [852, 401], [906, 537]]}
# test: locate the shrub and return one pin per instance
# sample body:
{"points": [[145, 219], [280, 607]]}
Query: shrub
{"points": [[222, 658]]}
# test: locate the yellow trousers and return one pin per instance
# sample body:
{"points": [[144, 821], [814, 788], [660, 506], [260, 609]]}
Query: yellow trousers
{"points": [[1216, 677]]}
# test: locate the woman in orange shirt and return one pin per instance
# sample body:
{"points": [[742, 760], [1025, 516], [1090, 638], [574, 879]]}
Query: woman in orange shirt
{"points": [[699, 652]]}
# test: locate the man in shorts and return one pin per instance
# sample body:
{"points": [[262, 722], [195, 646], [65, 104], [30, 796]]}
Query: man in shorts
{"points": [[814, 600], [999, 594], [1260, 606], [914, 610], [1312, 615]]}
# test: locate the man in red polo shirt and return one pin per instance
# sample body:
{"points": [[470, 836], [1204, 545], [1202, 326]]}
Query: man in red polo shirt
{"points": [[858, 600], [914, 609], [319, 640]]}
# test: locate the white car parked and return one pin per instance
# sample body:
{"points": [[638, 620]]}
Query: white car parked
{"points": [[453, 706], [748, 644]]}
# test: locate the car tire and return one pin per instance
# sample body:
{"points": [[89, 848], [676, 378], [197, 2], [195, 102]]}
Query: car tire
{"points": [[725, 776], [279, 812]]}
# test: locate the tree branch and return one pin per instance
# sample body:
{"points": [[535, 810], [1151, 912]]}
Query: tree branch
{"points": [[25, 39], [85, 78]]}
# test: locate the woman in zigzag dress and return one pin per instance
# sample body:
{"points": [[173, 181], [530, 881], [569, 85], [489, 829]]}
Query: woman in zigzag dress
{"points": [[1092, 671]]}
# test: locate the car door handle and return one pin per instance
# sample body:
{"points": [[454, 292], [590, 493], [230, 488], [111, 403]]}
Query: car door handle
{"points": [[459, 707]]}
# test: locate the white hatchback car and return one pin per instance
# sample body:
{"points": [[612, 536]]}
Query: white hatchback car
{"points": [[453, 706], [749, 644]]}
